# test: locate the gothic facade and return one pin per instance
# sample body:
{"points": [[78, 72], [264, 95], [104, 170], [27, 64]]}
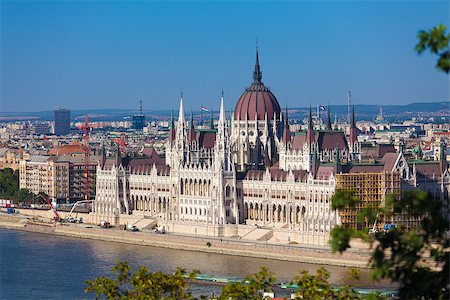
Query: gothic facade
{"points": [[250, 177]]}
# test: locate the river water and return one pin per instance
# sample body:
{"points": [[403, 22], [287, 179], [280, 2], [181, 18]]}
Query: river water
{"points": [[40, 266]]}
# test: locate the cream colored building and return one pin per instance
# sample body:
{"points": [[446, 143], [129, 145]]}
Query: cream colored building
{"points": [[60, 177]]}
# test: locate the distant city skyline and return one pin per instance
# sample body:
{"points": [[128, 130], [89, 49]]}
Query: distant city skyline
{"points": [[100, 55]]}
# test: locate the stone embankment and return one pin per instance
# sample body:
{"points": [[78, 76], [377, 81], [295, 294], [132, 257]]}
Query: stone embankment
{"points": [[295, 253]]}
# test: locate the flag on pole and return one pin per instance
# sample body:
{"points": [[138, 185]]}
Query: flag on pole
{"points": [[322, 107], [204, 109]]}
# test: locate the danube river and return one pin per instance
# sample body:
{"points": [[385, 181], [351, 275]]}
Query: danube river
{"points": [[39, 266]]}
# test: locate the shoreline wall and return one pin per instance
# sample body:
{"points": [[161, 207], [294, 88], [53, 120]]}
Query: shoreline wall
{"points": [[220, 246]]}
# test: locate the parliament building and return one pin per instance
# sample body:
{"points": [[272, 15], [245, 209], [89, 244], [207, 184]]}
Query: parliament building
{"points": [[250, 177]]}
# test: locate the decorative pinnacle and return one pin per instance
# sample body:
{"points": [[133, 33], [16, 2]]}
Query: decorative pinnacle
{"points": [[257, 75]]}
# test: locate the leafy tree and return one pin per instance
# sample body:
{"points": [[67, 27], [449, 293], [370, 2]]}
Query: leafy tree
{"points": [[23, 196], [437, 41], [9, 183], [251, 288], [318, 287], [141, 284], [418, 259]]}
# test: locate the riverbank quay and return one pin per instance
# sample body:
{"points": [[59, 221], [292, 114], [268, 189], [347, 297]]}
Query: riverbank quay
{"points": [[229, 246]]}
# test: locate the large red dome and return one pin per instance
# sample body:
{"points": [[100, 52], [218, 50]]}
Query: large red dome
{"points": [[257, 100]]}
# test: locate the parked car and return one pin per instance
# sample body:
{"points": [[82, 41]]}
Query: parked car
{"points": [[132, 228], [104, 224], [160, 230]]}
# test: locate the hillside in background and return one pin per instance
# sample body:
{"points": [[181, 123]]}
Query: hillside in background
{"points": [[364, 111]]}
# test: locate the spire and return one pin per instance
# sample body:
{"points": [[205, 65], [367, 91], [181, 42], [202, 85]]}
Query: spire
{"points": [[336, 155], [353, 117], [118, 156], [442, 157], [353, 129], [257, 75], [172, 127], [181, 112], [222, 118], [310, 132], [329, 119], [316, 156], [211, 120], [103, 154], [310, 121], [337, 163], [286, 131], [191, 135]]}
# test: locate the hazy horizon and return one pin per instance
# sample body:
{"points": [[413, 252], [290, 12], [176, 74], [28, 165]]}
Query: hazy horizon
{"points": [[110, 55]]}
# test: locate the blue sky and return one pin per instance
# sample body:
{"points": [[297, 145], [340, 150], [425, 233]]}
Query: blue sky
{"points": [[93, 55]]}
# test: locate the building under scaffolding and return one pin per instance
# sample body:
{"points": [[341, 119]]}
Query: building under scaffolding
{"points": [[371, 188]]}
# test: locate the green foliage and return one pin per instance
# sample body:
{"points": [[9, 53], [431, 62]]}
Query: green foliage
{"points": [[419, 259], [340, 238], [251, 288], [23, 196], [9, 187], [208, 244], [318, 287], [141, 284], [437, 41], [9, 183], [344, 199]]}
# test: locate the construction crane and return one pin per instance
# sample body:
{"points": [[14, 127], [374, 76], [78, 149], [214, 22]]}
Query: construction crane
{"points": [[121, 143], [78, 202], [56, 216], [374, 228]]}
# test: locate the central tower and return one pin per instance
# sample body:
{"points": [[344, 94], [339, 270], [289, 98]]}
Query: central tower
{"points": [[257, 124]]}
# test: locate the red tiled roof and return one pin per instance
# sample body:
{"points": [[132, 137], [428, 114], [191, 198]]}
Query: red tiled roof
{"points": [[325, 139], [365, 169], [206, 139], [329, 140], [429, 169], [66, 149], [389, 160], [324, 172], [298, 141], [386, 148]]}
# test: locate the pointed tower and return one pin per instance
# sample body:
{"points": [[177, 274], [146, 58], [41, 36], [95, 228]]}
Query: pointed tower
{"points": [[353, 138], [310, 133], [191, 134], [286, 131], [337, 162], [103, 155], [222, 118], [172, 128], [181, 123], [118, 157], [329, 119], [353, 129], [223, 148], [257, 74], [442, 157], [181, 119], [211, 120]]}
